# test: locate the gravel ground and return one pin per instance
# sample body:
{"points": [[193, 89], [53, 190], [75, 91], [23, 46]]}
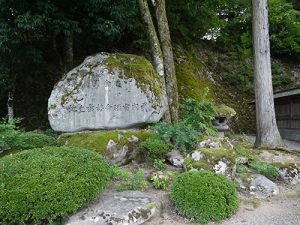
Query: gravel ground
{"points": [[283, 209]]}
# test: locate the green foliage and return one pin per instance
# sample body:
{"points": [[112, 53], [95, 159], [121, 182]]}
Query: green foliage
{"points": [[42, 185], [154, 148], [118, 173], [184, 19], [51, 133], [185, 137], [159, 164], [196, 121], [281, 78], [284, 27], [162, 180], [265, 169], [204, 196], [199, 114], [13, 139], [136, 182], [241, 168]]}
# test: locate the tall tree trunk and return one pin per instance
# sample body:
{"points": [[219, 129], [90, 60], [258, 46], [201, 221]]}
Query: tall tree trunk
{"points": [[157, 55], [267, 131], [58, 55], [169, 66], [68, 52], [10, 107]]}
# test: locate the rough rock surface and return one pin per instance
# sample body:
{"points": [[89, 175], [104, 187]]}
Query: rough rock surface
{"points": [[107, 91], [175, 158], [287, 162], [290, 173], [262, 187], [118, 208], [218, 160], [119, 147], [121, 155], [257, 185]]}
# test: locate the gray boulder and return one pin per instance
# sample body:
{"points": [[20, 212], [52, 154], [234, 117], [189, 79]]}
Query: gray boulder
{"points": [[121, 154], [262, 187], [107, 91], [118, 208], [256, 185], [175, 158]]}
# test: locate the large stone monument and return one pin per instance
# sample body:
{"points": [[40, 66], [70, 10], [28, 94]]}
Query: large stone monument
{"points": [[107, 91]]}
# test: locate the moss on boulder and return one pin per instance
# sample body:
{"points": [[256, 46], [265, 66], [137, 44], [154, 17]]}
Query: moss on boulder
{"points": [[219, 160], [108, 91], [139, 68], [119, 147], [192, 77]]}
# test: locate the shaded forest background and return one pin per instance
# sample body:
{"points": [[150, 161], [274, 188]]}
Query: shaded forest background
{"points": [[41, 40]]}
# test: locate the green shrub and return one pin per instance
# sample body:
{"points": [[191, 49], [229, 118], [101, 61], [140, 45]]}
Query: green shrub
{"points": [[42, 185], [159, 164], [162, 180], [199, 114], [204, 196], [265, 169], [136, 182], [184, 136], [154, 148], [13, 139], [196, 121], [17, 140], [121, 174]]}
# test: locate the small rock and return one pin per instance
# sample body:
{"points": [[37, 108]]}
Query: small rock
{"points": [[120, 136], [262, 187], [111, 146], [117, 155], [196, 156], [220, 168], [209, 144], [133, 139], [241, 160], [118, 208], [290, 174], [175, 158]]}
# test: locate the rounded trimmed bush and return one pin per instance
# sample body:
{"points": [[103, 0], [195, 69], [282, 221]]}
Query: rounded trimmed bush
{"points": [[204, 196], [41, 185], [154, 148]]}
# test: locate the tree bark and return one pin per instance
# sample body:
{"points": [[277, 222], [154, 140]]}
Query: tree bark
{"points": [[68, 52], [169, 66], [156, 52], [10, 107], [267, 131], [57, 53]]}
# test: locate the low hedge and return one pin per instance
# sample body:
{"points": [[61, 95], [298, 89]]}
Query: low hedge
{"points": [[204, 196], [18, 140], [42, 185]]}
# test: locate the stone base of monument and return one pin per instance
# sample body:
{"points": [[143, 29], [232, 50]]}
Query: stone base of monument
{"points": [[119, 147]]}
